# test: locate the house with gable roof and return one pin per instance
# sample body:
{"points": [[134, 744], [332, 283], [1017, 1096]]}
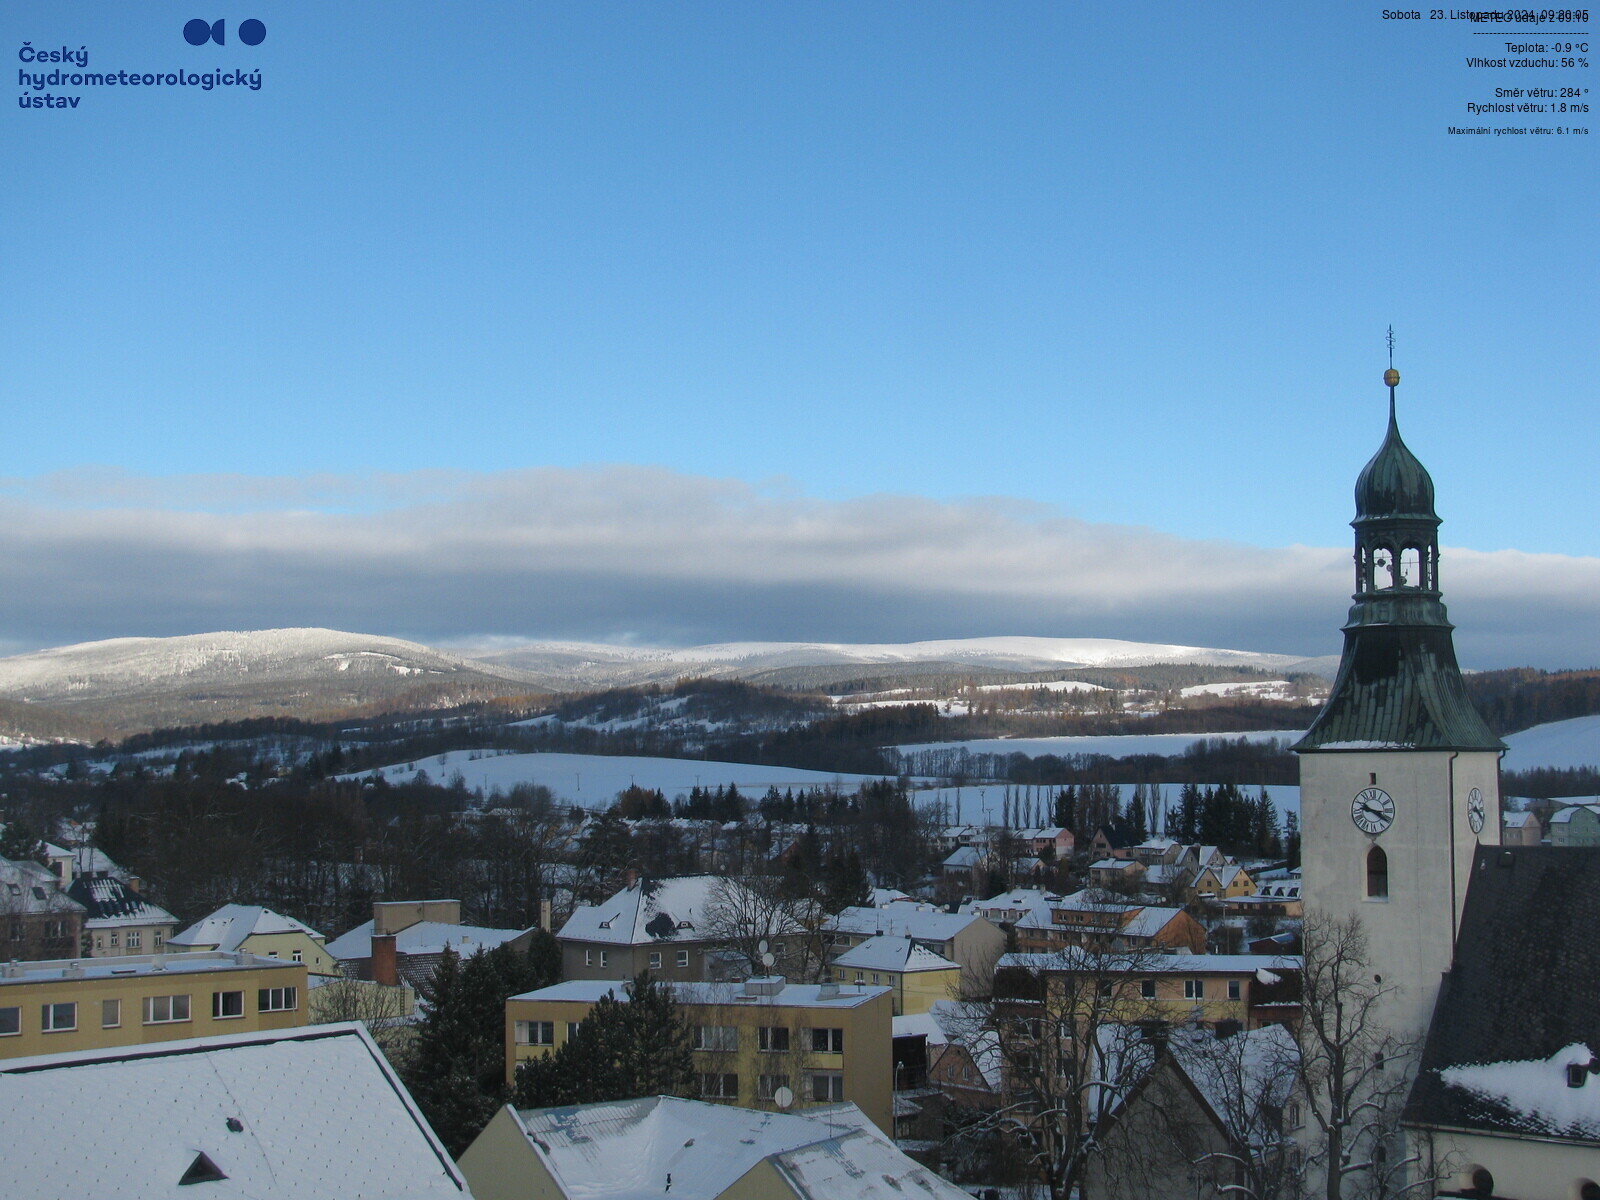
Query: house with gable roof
{"points": [[37, 919], [117, 919], [406, 939], [691, 1150], [258, 930], [917, 977], [964, 938], [656, 925]]}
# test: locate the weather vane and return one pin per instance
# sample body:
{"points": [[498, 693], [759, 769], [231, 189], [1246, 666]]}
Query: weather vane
{"points": [[1391, 376], [1391, 345]]}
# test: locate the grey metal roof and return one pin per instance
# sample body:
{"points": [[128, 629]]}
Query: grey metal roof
{"points": [[1519, 995], [1394, 483], [1398, 685]]}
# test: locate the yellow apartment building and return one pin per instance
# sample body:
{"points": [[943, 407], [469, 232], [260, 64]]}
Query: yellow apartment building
{"points": [[756, 1044], [96, 1003]]}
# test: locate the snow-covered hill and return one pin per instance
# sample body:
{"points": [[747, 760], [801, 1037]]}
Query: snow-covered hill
{"points": [[139, 683], [1560, 744], [595, 665]]}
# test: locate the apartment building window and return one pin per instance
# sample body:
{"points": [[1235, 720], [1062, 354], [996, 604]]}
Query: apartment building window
{"points": [[719, 1086], [603, 957], [58, 1018], [1147, 989], [226, 1005], [276, 999], [717, 1037], [588, 958], [115, 939], [155, 940], [655, 960], [298, 956], [536, 1033], [572, 1029], [767, 1085], [827, 1087], [774, 1039], [1194, 989], [827, 1041], [1235, 989], [683, 958], [10, 1021], [135, 940], [162, 1010], [110, 1014]]}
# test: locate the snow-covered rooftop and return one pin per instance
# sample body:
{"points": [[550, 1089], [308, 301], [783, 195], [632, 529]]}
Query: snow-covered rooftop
{"points": [[794, 995], [304, 1114], [135, 964], [926, 924], [626, 1150], [425, 937], [1538, 1091], [648, 911], [228, 927], [893, 952]]}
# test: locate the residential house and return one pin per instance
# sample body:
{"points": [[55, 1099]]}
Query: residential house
{"points": [[1226, 881], [1117, 874], [297, 1114], [258, 930], [963, 937], [37, 919], [917, 977], [692, 1150], [663, 926], [1086, 918], [963, 1060], [117, 919], [823, 1042], [94, 1003], [1520, 829], [1203, 1107], [1112, 841], [406, 939], [1575, 825]]}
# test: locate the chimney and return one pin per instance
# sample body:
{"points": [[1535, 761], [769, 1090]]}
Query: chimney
{"points": [[384, 968], [632, 876], [134, 884], [545, 916]]}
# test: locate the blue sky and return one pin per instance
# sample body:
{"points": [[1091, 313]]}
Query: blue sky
{"points": [[1124, 267]]}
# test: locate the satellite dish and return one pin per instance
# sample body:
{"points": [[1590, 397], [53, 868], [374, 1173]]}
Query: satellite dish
{"points": [[767, 960], [761, 946], [783, 1097]]}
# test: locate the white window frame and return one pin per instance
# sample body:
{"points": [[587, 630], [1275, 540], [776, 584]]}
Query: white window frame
{"points": [[767, 1085], [721, 1090], [1194, 989], [219, 1004], [111, 1008], [655, 960], [773, 1039], [718, 1038], [281, 999], [58, 1018], [535, 1033], [166, 1010], [683, 958], [827, 1039], [831, 1086], [14, 1020], [134, 940]]}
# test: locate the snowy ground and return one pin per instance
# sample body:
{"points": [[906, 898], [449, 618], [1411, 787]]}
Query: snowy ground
{"points": [[595, 779], [1263, 689], [1574, 743]]}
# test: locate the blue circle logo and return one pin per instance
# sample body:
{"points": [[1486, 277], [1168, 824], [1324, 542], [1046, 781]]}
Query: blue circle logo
{"points": [[252, 32], [198, 32]]}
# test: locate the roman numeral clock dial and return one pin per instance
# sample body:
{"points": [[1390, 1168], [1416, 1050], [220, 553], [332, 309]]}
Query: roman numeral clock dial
{"points": [[1372, 810]]}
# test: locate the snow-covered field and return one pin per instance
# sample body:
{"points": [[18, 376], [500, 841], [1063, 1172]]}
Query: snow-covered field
{"points": [[1262, 689], [1055, 685], [1574, 743], [594, 780], [1119, 746]]}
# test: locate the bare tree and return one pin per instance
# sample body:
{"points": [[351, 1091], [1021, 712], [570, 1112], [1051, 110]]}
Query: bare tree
{"points": [[1068, 1027], [753, 916], [385, 1011], [1354, 1072]]}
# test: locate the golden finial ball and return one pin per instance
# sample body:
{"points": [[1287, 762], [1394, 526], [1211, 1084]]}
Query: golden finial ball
{"points": [[1391, 377]]}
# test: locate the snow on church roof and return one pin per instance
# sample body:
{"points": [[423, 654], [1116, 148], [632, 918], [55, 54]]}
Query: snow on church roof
{"points": [[319, 1114], [1537, 1090]]}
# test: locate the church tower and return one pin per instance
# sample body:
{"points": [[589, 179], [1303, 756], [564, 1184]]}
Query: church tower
{"points": [[1399, 775]]}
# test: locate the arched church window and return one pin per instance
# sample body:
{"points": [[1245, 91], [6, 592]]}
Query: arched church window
{"points": [[1377, 873], [1410, 567]]}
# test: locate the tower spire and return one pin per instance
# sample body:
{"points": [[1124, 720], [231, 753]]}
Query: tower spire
{"points": [[1392, 378]]}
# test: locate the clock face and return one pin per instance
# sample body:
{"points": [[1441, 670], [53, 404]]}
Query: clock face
{"points": [[1475, 810], [1372, 810]]}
